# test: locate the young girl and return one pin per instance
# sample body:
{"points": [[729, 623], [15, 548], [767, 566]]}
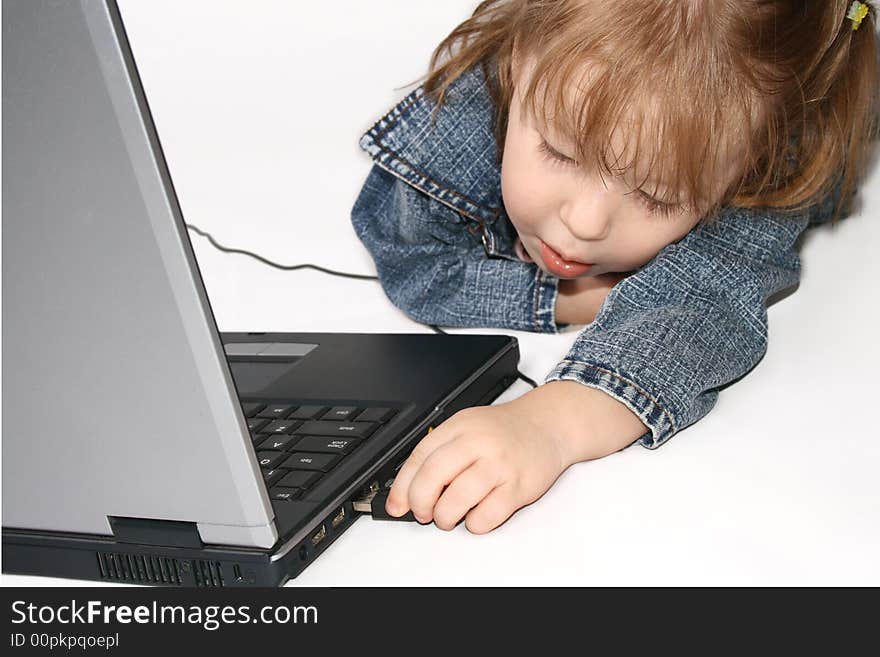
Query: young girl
{"points": [[641, 167]]}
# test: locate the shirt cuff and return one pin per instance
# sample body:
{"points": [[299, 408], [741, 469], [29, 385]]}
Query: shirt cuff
{"points": [[658, 420], [546, 290]]}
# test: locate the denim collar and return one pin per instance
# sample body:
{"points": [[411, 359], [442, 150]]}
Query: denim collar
{"points": [[455, 159]]}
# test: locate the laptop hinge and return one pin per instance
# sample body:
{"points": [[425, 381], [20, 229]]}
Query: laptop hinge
{"points": [[146, 531]]}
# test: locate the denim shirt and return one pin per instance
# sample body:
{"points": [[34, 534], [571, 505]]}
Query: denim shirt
{"points": [[667, 337]]}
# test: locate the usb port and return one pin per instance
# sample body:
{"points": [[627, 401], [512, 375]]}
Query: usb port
{"points": [[317, 538], [337, 520]]}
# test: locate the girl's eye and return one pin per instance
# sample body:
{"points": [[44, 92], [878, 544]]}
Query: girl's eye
{"points": [[658, 207], [551, 154]]}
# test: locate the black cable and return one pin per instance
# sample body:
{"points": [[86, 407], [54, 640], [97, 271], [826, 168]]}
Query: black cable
{"points": [[266, 261], [526, 379]]}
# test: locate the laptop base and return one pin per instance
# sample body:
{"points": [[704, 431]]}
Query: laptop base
{"points": [[107, 558]]}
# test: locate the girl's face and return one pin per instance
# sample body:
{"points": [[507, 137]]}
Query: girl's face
{"points": [[570, 221]]}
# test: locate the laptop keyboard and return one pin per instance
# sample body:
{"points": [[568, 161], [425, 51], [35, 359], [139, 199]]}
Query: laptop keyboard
{"points": [[297, 445]]}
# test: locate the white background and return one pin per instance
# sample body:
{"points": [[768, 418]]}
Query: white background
{"points": [[259, 107]]}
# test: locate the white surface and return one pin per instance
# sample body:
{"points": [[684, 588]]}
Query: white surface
{"points": [[259, 107]]}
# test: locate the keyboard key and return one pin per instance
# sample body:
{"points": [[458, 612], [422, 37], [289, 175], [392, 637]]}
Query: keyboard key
{"points": [[307, 412], [276, 411], [251, 409], [274, 475], [284, 494], [337, 429], [376, 415], [327, 445], [299, 478], [269, 460], [281, 426], [257, 438], [279, 442], [254, 424], [340, 413], [310, 461]]}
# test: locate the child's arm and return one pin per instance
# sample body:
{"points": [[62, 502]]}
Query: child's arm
{"points": [[666, 339], [650, 363]]}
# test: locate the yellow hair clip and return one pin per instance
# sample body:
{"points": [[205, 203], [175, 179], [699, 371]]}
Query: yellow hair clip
{"points": [[857, 12]]}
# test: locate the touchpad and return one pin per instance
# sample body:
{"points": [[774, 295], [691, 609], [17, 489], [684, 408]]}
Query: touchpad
{"points": [[268, 349], [256, 378], [257, 366]]}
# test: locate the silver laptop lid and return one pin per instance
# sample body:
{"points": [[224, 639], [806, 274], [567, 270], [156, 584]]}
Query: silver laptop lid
{"points": [[117, 399]]}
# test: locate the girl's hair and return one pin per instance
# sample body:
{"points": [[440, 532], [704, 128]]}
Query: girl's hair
{"points": [[789, 82]]}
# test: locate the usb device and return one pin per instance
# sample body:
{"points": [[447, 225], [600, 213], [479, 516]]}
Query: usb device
{"points": [[373, 503]]}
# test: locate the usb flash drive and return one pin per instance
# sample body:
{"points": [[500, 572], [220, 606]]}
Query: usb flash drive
{"points": [[374, 504], [374, 501]]}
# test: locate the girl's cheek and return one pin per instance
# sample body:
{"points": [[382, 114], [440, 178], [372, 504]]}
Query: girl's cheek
{"points": [[522, 201], [642, 248]]}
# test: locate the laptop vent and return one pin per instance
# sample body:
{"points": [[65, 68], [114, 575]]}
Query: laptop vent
{"points": [[139, 568], [207, 573], [148, 569]]}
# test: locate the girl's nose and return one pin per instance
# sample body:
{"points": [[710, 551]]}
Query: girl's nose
{"points": [[588, 216]]}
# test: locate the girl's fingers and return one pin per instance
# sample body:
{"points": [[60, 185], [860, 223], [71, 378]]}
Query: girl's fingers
{"points": [[398, 497], [463, 493], [495, 508], [441, 466]]}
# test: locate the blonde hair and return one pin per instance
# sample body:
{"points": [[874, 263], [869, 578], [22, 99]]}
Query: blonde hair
{"points": [[787, 81]]}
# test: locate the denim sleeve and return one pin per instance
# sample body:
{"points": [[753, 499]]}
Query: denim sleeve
{"points": [[434, 269], [690, 321]]}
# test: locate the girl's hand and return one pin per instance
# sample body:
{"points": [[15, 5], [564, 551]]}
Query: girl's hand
{"points": [[486, 462], [579, 299]]}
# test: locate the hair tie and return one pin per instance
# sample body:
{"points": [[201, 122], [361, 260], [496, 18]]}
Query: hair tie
{"points": [[857, 12]]}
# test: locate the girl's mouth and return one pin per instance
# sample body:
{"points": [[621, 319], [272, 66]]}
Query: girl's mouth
{"points": [[559, 266]]}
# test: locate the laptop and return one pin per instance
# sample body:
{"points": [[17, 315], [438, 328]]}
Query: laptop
{"points": [[140, 445]]}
